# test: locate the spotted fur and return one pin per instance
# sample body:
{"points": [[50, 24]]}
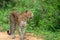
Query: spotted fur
{"points": [[19, 20]]}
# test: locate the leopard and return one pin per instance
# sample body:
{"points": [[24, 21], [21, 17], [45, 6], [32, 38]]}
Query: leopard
{"points": [[19, 20]]}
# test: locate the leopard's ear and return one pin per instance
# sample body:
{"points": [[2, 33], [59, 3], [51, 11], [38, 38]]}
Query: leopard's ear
{"points": [[26, 11]]}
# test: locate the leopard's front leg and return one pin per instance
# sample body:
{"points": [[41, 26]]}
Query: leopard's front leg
{"points": [[22, 30]]}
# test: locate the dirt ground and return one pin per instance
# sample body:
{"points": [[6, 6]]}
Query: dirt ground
{"points": [[5, 36]]}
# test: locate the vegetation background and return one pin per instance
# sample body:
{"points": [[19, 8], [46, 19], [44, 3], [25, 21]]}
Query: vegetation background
{"points": [[46, 21]]}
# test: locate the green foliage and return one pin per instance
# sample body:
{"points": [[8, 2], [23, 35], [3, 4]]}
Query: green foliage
{"points": [[46, 20]]}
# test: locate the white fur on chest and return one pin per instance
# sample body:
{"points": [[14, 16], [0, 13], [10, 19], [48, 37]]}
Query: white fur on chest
{"points": [[23, 23]]}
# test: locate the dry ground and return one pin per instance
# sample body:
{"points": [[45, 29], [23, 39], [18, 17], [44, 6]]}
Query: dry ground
{"points": [[5, 36]]}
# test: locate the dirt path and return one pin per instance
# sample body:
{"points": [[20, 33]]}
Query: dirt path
{"points": [[4, 36]]}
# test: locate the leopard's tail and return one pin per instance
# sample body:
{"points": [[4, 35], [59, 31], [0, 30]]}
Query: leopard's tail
{"points": [[8, 32]]}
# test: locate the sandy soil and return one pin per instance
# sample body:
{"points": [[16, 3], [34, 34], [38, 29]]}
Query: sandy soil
{"points": [[5, 36]]}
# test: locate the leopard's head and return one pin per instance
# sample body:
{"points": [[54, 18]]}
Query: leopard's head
{"points": [[29, 14]]}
